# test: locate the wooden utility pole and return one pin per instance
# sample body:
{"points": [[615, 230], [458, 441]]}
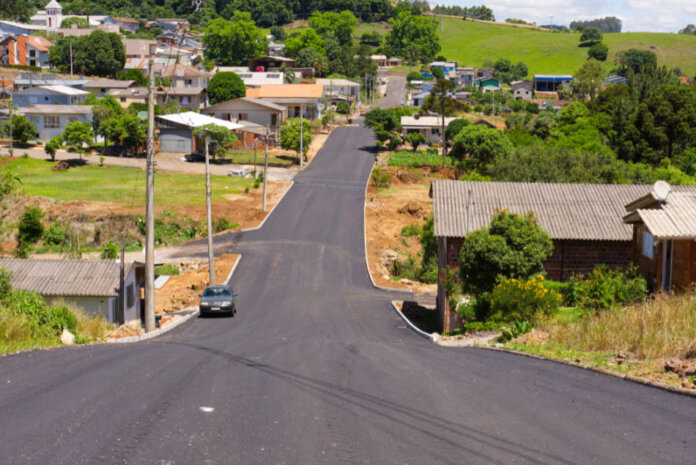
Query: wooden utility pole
{"points": [[211, 255], [150, 206], [265, 170], [122, 286]]}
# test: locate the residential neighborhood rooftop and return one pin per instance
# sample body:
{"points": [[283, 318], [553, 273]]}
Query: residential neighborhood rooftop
{"points": [[566, 211], [672, 218], [56, 110], [191, 119]]}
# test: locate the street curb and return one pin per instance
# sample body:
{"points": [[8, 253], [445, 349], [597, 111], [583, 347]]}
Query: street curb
{"points": [[632, 378], [431, 337], [234, 267], [157, 332], [367, 260]]}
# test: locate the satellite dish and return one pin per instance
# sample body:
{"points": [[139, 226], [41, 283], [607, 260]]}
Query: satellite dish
{"points": [[661, 189]]}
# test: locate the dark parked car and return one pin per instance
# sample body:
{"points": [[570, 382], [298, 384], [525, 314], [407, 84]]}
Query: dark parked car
{"points": [[195, 156], [113, 151], [218, 299]]}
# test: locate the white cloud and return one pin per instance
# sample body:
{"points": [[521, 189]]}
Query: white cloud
{"points": [[636, 15]]}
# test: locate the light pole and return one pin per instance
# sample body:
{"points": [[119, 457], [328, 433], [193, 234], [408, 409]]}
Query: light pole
{"points": [[150, 206], [301, 136], [265, 170], [211, 255]]}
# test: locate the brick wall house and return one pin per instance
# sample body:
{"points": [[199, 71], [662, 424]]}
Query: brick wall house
{"points": [[584, 222]]}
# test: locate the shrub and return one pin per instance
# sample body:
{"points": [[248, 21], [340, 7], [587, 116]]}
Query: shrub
{"points": [[30, 229], [55, 234], [415, 139], [421, 158], [599, 52], [410, 230], [380, 178], [516, 329], [522, 300], [513, 246], [607, 288], [52, 146], [225, 86], [110, 251], [223, 224], [565, 289], [167, 270], [342, 108], [414, 76]]}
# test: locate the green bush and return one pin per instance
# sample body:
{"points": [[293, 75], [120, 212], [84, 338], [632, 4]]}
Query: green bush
{"points": [[380, 178], [342, 108], [30, 229], [606, 288], [167, 270], [223, 224], [565, 289], [522, 300], [110, 251], [410, 230], [55, 234], [516, 329]]}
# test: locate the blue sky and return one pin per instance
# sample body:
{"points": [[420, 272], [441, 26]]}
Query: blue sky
{"points": [[636, 15]]}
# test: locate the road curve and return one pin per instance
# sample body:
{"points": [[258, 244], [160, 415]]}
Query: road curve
{"points": [[317, 369]]}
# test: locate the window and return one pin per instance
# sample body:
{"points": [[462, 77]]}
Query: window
{"points": [[130, 295], [225, 116], [123, 99], [32, 53], [243, 117], [185, 99], [648, 244], [274, 119], [52, 122]]}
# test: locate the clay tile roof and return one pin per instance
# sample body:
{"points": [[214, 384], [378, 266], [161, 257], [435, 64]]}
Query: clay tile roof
{"points": [[39, 42], [253, 93], [126, 20], [290, 91], [566, 211]]}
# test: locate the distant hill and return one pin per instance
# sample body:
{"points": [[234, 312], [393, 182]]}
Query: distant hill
{"points": [[470, 43]]}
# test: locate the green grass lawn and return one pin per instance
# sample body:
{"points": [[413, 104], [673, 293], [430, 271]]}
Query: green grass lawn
{"points": [[118, 184], [248, 158], [470, 43], [420, 158]]}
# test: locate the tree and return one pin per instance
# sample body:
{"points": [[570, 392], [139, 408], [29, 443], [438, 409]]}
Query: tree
{"points": [[306, 39], [590, 36], [437, 72], [340, 25], [587, 80], [371, 38], [415, 139], [217, 136], [288, 74], [508, 72], [690, 29], [290, 135], [16, 10], [29, 230], [97, 54], [599, 52], [634, 60], [128, 130], [133, 75], [103, 110], [278, 33], [608, 24], [312, 58], [481, 144], [234, 42], [81, 23], [513, 246], [22, 129], [78, 134], [419, 31], [442, 102], [52, 146], [482, 13], [224, 86], [413, 76], [454, 127]]}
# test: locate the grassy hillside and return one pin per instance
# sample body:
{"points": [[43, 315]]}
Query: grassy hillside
{"points": [[470, 43]]}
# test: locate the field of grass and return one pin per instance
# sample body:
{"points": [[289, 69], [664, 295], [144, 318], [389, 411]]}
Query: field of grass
{"points": [[471, 43], [118, 184], [408, 158]]}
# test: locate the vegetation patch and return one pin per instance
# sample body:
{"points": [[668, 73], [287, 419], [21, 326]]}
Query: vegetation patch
{"points": [[422, 158]]}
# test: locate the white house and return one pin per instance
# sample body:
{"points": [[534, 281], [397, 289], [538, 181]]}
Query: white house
{"points": [[93, 285], [52, 16], [50, 120], [429, 126], [49, 95], [176, 130], [259, 78]]}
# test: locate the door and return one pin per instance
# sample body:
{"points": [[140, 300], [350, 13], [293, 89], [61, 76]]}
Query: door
{"points": [[667, 267], [175, 140]]}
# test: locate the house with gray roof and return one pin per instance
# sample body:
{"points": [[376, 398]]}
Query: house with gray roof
{"points": [[93, 285], [26, 80], [49, 95], [664, 238], [50, 120], [101, 87], [585, 221]]}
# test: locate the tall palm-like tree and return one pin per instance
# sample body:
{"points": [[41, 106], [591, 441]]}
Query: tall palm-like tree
{"points": [[441, 101]]}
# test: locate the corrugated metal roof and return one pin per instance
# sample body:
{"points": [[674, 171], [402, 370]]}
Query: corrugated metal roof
{"points": [[108, 84], [675, 218], [566, 211], [193, 120], [425, 121], [65, 277], [56, 110]]}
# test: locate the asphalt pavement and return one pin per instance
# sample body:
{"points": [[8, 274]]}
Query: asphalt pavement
{"points": [[316, 368]]}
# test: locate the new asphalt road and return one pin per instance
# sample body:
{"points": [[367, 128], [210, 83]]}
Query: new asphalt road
{"points": [[316, 368]]}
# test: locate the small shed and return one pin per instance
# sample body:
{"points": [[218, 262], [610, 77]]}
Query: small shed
{"points": [[664, 239], [176, 130], [93, 285], [522, 90]]}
